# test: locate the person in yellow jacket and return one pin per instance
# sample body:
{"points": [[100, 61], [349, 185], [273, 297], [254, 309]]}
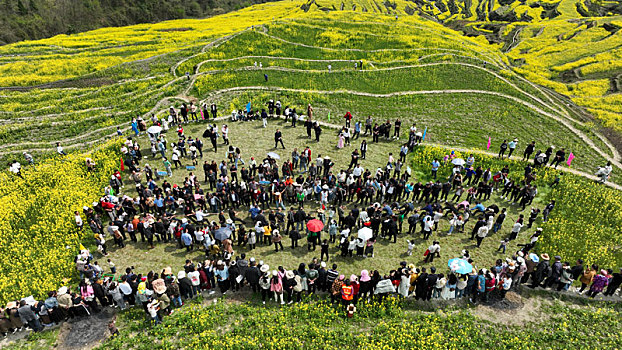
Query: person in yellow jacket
{"points": [[267, 235]]}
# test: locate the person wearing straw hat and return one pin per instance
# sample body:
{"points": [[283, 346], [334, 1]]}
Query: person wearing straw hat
{"points": [[64, 301], [542, 271]]}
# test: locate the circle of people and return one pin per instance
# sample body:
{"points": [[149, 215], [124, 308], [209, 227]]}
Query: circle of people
{"points": [[381, 202]]}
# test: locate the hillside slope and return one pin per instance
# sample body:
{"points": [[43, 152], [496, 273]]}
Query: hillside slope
{"points": [[37, 19], [97, 81]]}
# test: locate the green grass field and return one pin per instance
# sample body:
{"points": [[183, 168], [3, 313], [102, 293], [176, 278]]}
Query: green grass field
{"points": [[256, 141]]}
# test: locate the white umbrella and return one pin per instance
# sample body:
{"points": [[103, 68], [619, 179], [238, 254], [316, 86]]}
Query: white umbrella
{"points": [[274, 155], [458, 161], [365, 233], [154, 129]]}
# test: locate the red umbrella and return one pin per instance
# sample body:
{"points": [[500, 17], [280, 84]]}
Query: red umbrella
{"points": [[315, 225]]}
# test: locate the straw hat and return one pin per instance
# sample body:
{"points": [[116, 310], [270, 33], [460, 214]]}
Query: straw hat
{"points": [[167, 270], [181, 274], [11, 305], [62, 290], [264, 268], [159, 286], [545, 256], [274, 273], [289, 274]]}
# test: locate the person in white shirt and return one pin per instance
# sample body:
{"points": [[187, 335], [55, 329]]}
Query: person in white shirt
{"points": [[482, 232], [79, 222], [16, 168], [199, 215], [59, 149], [516, 228], [358, 171], [433, 250], [195, 278]]}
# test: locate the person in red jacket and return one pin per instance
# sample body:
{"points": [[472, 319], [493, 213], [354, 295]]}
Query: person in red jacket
{"points": [[348, 118], [355, 288]]}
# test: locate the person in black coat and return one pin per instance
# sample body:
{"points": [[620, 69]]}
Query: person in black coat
{"points": [[430, 283], [252, 275], [420, 285], [185, 286], [542, 271], [278, 138], [318, 131], [556, 273], [614, 283]]}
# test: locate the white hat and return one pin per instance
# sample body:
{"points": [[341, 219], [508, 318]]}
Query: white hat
{"points": [[229, 221], [184, 220], [274, 273], [85, 208], [219, 262], [260, 262], [252, 259], [323, 264], [264, 268], [181, 274], [62, 290]]}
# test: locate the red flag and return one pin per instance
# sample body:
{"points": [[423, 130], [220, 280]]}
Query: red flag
{"points": [[122, 165], [570, 158]]}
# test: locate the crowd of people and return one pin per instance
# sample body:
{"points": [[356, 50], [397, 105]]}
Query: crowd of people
{"points": [[282, 199]]}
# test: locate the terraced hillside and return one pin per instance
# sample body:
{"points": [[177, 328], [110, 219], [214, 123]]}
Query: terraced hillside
{"points": [[462, 89], [572, 47]]}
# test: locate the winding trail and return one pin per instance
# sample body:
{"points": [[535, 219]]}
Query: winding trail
{"points": [[431, 64]]}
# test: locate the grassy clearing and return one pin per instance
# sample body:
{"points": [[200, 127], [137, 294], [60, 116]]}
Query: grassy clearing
{"points": [[250, 135]]}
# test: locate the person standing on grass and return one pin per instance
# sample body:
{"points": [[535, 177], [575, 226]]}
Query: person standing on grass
{"points": [[499, 222], [529, 150], [433, 250], [308, 124], [560, 156], [517, 227], [363, 149], [278, 138], [348, 119], [435, 166], [264, 118], [512, 146], [398, 125], [503, 148], [357, 130]]}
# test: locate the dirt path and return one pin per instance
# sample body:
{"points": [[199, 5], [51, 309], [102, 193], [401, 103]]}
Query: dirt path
{"points": [[85, 332]]}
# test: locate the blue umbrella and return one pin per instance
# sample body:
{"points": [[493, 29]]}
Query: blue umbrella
{"points": [[222, 233], [534, 257], [459, 265]]}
